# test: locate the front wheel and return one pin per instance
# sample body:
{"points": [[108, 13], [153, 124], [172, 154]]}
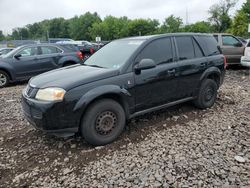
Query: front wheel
{"points": [[4, 79], [207, 94], [103, 122]]}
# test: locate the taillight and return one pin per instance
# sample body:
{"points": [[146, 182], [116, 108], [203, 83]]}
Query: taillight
{"points": [[225, 62], [92, 51], [79, 54]]}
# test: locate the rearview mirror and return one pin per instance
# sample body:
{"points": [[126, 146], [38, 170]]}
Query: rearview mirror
{"points": [[145, 64], [17, 56]]}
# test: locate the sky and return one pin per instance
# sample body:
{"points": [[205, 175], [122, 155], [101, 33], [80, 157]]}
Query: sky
{"points": [[18, 13]]}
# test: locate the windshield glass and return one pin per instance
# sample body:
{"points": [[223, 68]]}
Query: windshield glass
{"points": [[115, 54], [11, 53]]}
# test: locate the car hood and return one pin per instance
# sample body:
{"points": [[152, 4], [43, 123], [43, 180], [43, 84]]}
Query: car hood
{"points": [[71, 77]]}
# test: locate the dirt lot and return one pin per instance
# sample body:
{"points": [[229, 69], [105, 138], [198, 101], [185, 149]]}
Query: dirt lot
{"points": [[178, 147]]}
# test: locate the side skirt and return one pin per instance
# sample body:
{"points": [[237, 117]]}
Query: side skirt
{"points": [[160, 107]]}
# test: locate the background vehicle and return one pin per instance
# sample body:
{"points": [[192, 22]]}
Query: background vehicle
{"points": [[55, 40], [244, 41], [245, 60], [112, 87], [30, 60], [231, 47], [4, 51]]}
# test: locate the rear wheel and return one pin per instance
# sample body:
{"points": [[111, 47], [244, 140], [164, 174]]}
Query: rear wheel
{"points": [[207, 94], [103, 122], [4, 79]]}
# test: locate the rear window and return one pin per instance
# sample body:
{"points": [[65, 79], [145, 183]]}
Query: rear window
{"points": [[185, 47], [208, 44]]}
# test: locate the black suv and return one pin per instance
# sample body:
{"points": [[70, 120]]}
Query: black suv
{"points": [[124, 79], [30, 60]]}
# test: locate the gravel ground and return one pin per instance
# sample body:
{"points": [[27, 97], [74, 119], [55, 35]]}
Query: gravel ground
{"points": [[178, 147]]}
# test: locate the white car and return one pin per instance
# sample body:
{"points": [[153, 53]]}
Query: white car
{"points": [[245, 60]]}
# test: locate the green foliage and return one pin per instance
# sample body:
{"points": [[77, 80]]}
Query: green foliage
{"points": [[246, 9], [219, 15], [58, 27], [79, 27], [142, 27], [199, 27], [171, 25], [240, 22], [111, 28], [2, 37]]}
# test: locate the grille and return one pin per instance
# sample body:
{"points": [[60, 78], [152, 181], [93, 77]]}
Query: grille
{"points": [[29, 91]]}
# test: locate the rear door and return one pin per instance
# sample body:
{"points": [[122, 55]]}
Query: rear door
{"points": [[191, 63], [232, 48], [26, 65], [156, 86], [48, 57]]}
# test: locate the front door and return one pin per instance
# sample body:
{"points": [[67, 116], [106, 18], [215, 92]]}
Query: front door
{"points": [[26, 64], [156, 86], [232, 48]]}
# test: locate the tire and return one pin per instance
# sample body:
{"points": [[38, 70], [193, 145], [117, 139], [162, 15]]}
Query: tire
{"points": [[103, 122], [207, 94], [4, 79]]}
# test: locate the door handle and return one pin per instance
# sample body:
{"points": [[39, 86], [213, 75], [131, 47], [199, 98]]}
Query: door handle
{"points": [[203, 64], [171, 72]]}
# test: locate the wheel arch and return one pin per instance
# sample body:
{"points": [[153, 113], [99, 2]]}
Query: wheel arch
{"points": [[8, 72], [212, 73], [104, 92]]}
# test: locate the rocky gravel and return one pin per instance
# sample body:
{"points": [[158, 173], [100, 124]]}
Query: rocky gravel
{"points": [[177, 147]]}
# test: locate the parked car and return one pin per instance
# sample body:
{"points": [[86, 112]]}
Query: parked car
{"points": [[126, 78], [4, 51], [56, 40], [29, 60], [88, 49], [245, 60], [231, 47]]}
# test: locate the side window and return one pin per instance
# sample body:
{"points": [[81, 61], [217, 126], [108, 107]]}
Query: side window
{"points": [[197, 49], [159, 50], [229, 40], [216, 38], [49, 50], [30, 51], [208, 45], [185, 47]]}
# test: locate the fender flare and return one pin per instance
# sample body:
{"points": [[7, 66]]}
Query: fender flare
{"points": [[7, 68], [68, 58], [93, 94], [209, 71]]}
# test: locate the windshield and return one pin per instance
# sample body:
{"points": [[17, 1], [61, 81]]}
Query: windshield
{"points": [[115, 54], [11, 53]]}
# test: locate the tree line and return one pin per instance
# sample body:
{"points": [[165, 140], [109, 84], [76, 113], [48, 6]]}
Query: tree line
{"points": [[90, 25]]}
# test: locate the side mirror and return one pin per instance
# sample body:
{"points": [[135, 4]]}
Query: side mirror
{"points": [[145, 64], [17, 56]]}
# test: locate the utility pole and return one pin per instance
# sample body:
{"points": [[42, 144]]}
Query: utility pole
{"points": [[187, 21]]}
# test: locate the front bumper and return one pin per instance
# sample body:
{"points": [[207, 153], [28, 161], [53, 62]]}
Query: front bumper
{"points": [[51, 117], [245, 61]]}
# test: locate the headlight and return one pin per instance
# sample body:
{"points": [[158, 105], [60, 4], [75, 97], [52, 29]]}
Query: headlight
{"points": [[50, 94]]}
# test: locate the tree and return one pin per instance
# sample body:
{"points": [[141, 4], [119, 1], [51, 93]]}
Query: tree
{"points": [[2, 37], [246, 8], [79, 26], [110, 28], [142, 27], [58, 28], [199, 27], [171, 25], [219, 15]]}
